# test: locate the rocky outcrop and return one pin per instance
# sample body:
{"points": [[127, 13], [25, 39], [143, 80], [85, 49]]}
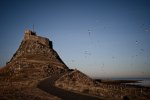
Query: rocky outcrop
{"points": [[35, 58], [75, 80]]}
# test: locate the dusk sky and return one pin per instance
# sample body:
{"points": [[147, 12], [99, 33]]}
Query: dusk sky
{"points": [[102, 38]]}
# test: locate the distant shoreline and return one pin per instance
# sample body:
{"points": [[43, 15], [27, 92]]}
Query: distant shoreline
{"points": [[129, 82], [109, 81]]}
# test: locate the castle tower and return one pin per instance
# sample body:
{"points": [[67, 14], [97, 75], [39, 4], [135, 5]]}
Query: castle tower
{"points": [[30, 35]]}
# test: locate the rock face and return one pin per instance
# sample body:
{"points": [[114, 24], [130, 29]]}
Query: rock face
{"points": [[75, 80], [34, 59]]}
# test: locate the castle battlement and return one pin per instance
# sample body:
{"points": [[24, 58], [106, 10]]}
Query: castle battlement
{"points": [[30, 35]]}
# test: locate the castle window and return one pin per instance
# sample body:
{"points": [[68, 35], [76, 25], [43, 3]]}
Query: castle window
{"points": [[32, 33]]}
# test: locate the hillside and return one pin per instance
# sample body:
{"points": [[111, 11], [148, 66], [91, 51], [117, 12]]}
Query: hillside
{"points": [[34, 59], [75, 80], [34, 62]]}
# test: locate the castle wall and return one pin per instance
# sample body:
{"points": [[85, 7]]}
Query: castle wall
{"points": [[29, 35]]}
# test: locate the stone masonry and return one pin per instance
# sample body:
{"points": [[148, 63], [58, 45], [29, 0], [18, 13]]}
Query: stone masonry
{"points": [[30, 35]]}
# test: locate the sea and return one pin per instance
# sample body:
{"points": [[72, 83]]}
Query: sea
{"points": [[140, 81]]}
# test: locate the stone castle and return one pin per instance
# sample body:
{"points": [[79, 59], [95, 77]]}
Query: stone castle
{"points": [[30, 35]]}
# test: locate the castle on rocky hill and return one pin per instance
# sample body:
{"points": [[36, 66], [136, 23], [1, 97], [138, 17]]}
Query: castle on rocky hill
{"points": [[34, 59]]}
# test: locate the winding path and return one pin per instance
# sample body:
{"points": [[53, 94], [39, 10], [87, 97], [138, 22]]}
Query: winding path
{"points": [[47, 85]]}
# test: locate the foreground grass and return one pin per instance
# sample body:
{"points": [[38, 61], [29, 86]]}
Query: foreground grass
{"points": [[23, 90]]}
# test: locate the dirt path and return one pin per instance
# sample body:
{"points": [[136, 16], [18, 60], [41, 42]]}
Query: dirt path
{"points": [[47, 85]]}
